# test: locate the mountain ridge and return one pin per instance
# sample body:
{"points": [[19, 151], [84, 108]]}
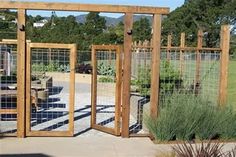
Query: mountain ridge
{"points": [[112, 21]]}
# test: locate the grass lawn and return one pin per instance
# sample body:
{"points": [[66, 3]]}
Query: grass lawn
{"points": [[232, 83]]}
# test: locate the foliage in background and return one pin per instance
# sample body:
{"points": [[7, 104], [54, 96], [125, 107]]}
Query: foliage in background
{"points": [[105, 69], [185, 117], [50, 67], [142, 30], [208, 15], [169, 79], [106, 79], [143, 81]]}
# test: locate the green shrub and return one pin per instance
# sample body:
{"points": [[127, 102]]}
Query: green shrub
{"points": [[51, 67], [106, 79], [144, 81], [187, 116], [104, 69], [169, 79]]}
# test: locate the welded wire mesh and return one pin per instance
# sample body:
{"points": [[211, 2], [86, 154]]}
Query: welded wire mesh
{"points": [[8, 26], [231, 94], [184, 73], [8, 88], [140, 89], [106, 88], [83, 65], [210, 75], [50, 82]]}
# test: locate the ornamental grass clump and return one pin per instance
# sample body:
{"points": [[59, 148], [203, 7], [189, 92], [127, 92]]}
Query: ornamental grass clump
{"points": [[208, 149], [188, 117]]}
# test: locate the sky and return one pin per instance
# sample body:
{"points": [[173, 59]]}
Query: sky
{"points": [[172, 4]]}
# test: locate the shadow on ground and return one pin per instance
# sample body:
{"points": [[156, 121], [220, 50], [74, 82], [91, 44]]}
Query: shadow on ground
{"points": [[24, 155]]}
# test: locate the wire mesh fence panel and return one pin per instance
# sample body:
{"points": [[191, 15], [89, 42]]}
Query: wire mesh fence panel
{"points": [[83, 65], [106, 88], [50, 89], [8, 89], [170, 73], [185, 73], [210, 75], [231, 94], [140, 89]]}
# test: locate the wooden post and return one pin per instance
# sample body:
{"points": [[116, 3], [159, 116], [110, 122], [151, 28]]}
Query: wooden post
{"points": [[94, 88], [73, 55], [225, 45], [169, 40], [128, 24], [182, 45], [198, 62], [155, 71], [50, 55], [28, 89], [109, 57], [21, 77], [118, 89], [145, 44]]}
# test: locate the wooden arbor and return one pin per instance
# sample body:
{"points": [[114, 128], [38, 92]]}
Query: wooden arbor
{"points": [[157, 12]]}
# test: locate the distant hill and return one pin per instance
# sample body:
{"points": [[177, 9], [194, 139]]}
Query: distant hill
{"points": [[111, 20]]}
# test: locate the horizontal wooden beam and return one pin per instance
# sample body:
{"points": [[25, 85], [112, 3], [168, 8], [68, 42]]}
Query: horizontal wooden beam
{"points": [[105, 47], [82, 7], [51, 45], [8, 111], [192, 48], [50, 133]]}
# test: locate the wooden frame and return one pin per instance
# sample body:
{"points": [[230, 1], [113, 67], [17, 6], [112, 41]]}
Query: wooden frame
{"points": [[22, 6], [83, 7], [73, 51], [94, 125]]}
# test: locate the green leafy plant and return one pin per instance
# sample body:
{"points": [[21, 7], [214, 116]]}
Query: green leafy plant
{"points": [[106, 79], [143, 81], [170, 79], [104, 69], [51, 67]]}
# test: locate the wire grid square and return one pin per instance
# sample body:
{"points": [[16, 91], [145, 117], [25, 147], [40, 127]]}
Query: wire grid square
{"points": [[106, 88], [8, 90], [185, 69], [50, 80], [140, 89]]}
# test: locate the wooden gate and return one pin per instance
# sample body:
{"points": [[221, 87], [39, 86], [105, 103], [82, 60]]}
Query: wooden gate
{"points": [[106, 88], [49, 101]]}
